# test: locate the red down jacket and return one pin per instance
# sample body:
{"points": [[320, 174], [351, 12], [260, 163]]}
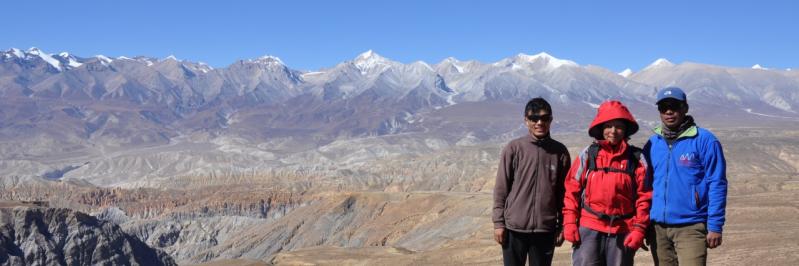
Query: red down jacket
{"points": [[609, 192]]}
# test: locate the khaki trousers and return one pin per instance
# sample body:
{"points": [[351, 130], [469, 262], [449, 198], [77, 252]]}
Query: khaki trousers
{"points": [[679, 244]]}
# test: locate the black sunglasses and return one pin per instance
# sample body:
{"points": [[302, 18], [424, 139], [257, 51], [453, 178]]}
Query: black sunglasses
{"points": [[670, 105], [536, 118]]}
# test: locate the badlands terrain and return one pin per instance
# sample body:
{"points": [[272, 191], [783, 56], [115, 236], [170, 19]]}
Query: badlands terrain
{"points": [[409, 209]]}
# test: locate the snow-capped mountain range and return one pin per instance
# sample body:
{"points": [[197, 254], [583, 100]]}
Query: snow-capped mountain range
{"points": [[370, 82], [69, 104]]}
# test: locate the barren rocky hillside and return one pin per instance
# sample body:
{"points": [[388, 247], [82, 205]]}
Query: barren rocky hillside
{"points": [[52, 236], [431, 207]]}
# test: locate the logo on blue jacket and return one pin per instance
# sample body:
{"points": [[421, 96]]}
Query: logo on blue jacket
{"points": [[690, 159]]}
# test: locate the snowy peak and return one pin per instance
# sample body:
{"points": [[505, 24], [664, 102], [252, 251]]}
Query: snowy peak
{"points": [[70, 60], [33, 51], [266, 62], [451, 60], [62, 61], [269, 59], [551, 60], [451, 64], [202, 66], [626, 73], [104, 59], [142, 59], [17, 52], [660, 62], [423, 65], [370, 61], [542, 56], [538, 61], [370, 56], [196, 67], [171, 62], [757, 66]]}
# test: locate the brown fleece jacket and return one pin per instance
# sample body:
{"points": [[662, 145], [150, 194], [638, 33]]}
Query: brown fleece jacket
{"points": [[528, 194]]}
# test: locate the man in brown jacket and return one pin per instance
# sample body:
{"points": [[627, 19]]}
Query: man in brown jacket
{"points": [[528, 195]]}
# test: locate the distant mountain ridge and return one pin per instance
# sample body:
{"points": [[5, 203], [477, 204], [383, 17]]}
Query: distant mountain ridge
{"points": [[62, 112], [188, 87]]}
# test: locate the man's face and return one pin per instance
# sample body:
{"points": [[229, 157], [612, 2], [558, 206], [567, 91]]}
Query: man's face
{"points": [[538, 123], [672, 112]]}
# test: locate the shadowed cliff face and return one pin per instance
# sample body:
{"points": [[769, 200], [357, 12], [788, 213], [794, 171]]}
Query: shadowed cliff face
{"points": [[182, 223], [38, 236]]}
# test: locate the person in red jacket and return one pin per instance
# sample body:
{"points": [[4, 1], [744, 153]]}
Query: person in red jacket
{"points": [[606, 206]]}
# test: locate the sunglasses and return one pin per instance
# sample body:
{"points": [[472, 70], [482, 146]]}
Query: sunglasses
{"points": [[535, 118], [670, 105]]}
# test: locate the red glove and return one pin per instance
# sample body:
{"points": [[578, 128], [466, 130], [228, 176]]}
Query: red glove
{"points": [[634, 240], [571, 233]]}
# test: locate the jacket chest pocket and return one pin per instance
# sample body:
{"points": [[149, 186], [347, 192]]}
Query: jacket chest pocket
{"points": [[549, 168], [698, 196], [690, 164], [624, 183], [689, 159]]}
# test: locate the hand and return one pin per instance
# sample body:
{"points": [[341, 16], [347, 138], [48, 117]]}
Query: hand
{"points": [[634, 240], [713, 239], [499, 235], [571, 233], [559, 238]]}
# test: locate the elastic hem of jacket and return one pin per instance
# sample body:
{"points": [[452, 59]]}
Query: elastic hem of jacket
{"points": [[537, 230], [689, 223], [498, 225]]}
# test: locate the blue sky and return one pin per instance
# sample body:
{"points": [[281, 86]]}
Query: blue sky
{"points": [[309, 35]]}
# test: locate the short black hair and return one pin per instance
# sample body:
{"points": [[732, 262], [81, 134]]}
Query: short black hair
{"points": [[535, 105]]}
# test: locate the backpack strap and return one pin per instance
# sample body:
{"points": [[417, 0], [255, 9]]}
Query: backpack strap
{"points": [[592, 152], [634, 154]]}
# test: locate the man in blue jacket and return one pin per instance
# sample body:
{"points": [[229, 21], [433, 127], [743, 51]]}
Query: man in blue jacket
{"points": [[689, 185]]}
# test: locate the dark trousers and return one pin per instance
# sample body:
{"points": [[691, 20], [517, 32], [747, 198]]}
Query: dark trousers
{"points": [[538, 248]]}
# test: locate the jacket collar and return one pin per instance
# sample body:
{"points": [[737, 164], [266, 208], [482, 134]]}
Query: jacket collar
{"points": [[690, 132], [536, 140], [613, 150]]}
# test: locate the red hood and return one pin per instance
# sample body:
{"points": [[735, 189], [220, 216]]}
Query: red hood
{"points": [[610, 110]]}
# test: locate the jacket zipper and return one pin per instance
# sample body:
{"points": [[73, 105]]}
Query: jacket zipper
{"points": [[668, 167], [535, 180]]}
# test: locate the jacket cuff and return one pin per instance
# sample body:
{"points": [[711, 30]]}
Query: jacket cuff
{"points": [[498, 225], [640, 228], [714, 228]]}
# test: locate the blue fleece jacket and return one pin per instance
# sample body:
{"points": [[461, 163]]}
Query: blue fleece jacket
{"points": [[689, 179]]}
